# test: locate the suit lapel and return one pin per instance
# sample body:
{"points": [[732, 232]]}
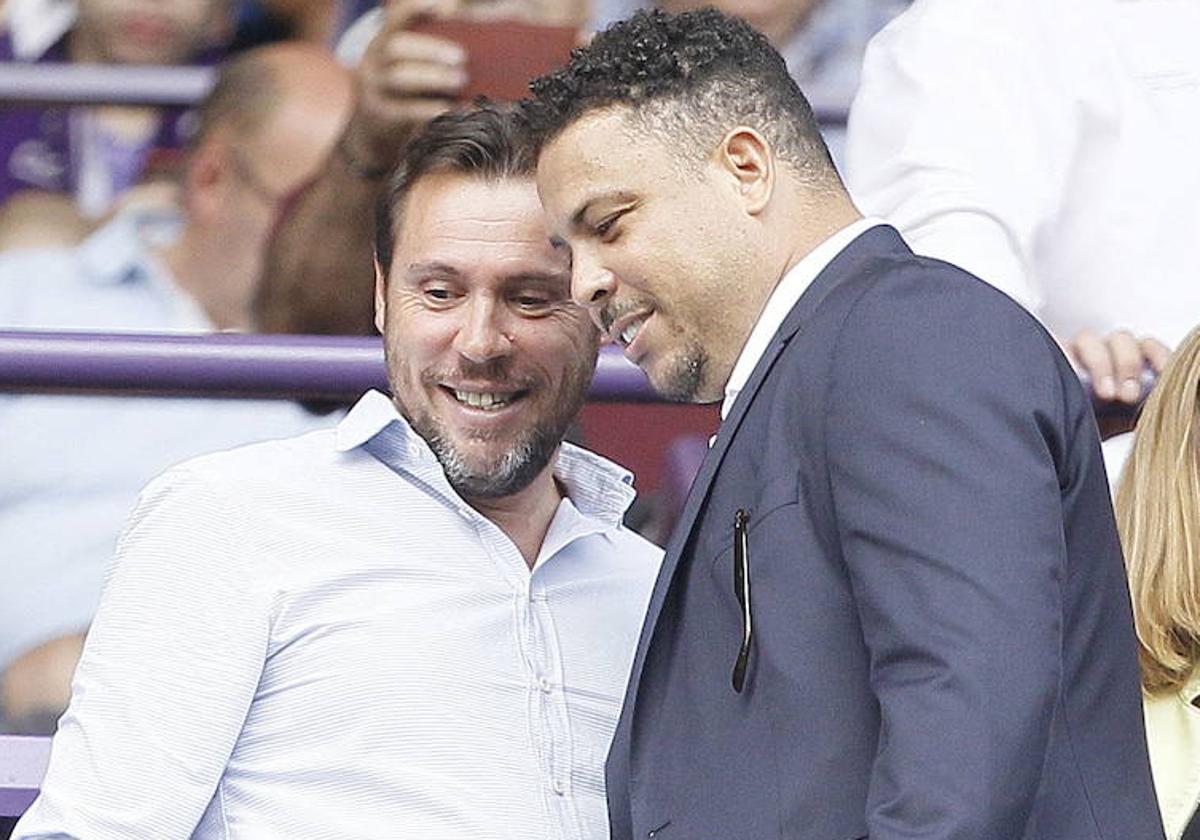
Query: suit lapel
{"points": [[846, 264]]}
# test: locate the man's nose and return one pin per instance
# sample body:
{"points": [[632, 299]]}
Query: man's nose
{"points": [[591, 284], [484, 334]]}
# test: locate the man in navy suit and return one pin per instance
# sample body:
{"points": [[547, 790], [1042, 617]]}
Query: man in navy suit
{"points": [[895, 605]]}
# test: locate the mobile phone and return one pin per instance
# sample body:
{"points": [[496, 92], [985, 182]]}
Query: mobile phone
{"points": [[503, 56]]}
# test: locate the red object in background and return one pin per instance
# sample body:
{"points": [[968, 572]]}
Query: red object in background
{"points": [[638, 435], [503, 57]]}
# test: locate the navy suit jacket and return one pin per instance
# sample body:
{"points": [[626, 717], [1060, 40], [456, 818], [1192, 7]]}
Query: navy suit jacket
{"points": [[942, 643]]}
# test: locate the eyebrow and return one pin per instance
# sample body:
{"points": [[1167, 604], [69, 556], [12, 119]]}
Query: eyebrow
{"points": [[538, 278], [433, 267], [617, 196], [436, 268]]}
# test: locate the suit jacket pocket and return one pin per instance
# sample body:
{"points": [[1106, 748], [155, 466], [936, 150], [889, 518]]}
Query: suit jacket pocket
{"points": [[778, 493]]}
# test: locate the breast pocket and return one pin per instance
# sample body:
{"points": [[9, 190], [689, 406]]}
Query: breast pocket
{"points": [[767, 519]]}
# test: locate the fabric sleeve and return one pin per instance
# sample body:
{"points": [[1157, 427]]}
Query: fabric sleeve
{"points": [[947, 503], [166, 678], [962, 136]]}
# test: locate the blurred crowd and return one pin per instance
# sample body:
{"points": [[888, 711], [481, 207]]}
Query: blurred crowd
{"points": [[1047, 149]]}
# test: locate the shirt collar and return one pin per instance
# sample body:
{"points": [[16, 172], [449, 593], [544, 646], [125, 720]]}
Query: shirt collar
{"points": [[596, 486], [781, 300]]}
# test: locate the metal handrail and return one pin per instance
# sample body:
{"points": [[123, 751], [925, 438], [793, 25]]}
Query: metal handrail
{"points": [[327, 368], [23, 762], [293, 367], [220, 365], [109, 84], [102, 84]]}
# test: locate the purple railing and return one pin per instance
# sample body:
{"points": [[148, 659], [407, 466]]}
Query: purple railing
{"points": [[231, 366], [102, 84], [334, 368], [22, 765]]}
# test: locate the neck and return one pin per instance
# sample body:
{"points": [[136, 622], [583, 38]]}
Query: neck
{"points": [[825, 215], [525, 516], [211, 277], [783, 244]]}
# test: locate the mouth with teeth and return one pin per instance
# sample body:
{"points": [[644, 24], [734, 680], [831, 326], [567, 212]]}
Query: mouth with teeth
{"points": [[486, 400], [624, 331]]}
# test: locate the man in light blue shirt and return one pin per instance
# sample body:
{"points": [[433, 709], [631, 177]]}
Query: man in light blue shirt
{"points": [[418, 625], [73, 466]]}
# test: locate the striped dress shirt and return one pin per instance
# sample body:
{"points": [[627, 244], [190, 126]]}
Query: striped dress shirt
{"points": [[317, 638]]}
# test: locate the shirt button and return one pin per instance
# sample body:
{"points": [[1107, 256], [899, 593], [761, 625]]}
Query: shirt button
{"points": [[544, 685], [559, 787]]}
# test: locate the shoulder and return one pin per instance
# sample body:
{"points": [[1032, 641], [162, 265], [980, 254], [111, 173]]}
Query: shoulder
{"points": [[255, 472], [907, 300], [917, 332]]}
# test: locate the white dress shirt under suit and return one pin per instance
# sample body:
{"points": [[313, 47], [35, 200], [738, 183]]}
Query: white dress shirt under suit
{"points": [[780, 302], [317, 638]]}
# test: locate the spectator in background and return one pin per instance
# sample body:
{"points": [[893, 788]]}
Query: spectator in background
{"points": [[318, 271], [822, 42], [95, 153], [72, 466], [418, 625], [1049, 148], [1158, 512]]}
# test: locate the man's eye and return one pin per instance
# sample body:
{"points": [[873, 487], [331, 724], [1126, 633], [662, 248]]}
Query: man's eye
{"points": [[439, 295], [606, 227], [532, 301]]}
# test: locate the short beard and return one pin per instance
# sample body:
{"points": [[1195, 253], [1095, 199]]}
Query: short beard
{"points": [[685, 374], [524, 461], [512, 473]]}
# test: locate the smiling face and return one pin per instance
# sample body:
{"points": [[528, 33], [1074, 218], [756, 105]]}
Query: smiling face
{"points": [[662, 249], [489, 359]]}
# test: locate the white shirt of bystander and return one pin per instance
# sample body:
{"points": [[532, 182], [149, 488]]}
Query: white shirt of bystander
{"points": [[1048, 147]]}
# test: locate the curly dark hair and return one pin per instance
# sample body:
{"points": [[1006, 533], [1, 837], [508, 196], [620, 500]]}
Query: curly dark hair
{"points": [[487, 140], [688, 76]]}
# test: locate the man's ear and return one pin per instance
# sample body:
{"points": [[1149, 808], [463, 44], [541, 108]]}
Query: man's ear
{"points": [[380, 297], [749, 160]]}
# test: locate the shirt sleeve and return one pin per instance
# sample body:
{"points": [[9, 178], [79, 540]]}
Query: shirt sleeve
{"points": [[962, 136], [167, 675]]}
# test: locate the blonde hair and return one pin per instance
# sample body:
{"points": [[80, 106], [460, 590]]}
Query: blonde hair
{"points": [[1158, 514]]}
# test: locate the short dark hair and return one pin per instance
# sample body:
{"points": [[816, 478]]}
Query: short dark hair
{"points": [[488, 141], [697, 73]]}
